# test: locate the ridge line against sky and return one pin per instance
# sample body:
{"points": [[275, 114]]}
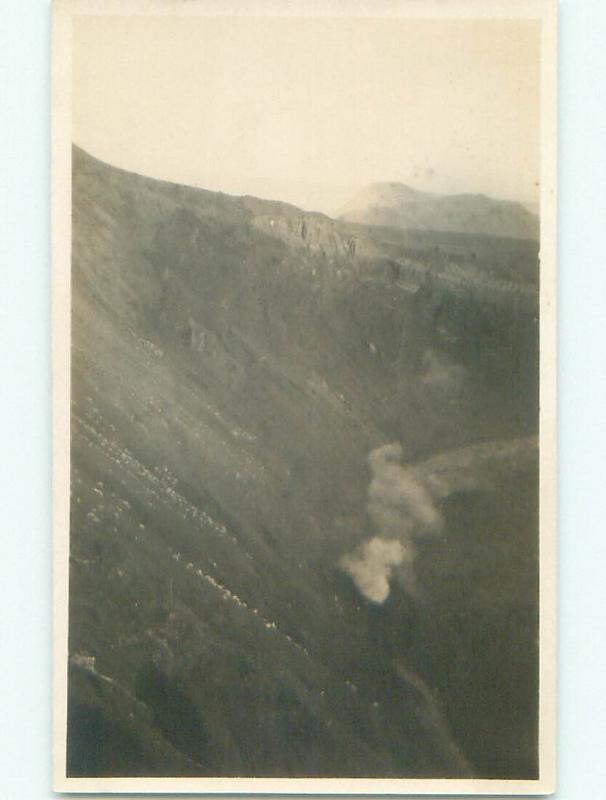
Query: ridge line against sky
{"points": [[273, 190], [310, 110]]}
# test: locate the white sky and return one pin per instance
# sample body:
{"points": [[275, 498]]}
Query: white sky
{"points": [[310, 109]]}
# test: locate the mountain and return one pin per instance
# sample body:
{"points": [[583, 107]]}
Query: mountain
{"points": [[397, 205], [239, 368]]}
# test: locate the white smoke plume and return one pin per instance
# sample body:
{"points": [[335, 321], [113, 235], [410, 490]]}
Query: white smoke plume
{"points": [[401, 504], [397, 502], [371, 566], [400, 508]]}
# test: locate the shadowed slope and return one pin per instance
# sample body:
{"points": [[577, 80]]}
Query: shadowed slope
{"points": [[233, 363]]}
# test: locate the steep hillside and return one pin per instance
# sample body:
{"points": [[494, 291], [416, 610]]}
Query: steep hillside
{"points": [[397, 205], [235, 365]]}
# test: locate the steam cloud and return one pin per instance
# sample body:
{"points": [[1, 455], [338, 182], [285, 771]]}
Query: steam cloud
{"points": [[371, 565], [400, 508]]}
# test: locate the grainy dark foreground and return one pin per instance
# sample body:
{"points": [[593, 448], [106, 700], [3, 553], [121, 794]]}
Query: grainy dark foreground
{"points": [[249, 594]]}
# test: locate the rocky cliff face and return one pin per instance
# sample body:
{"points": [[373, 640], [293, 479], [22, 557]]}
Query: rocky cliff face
{"points": [[397, 205], [234, 362]]}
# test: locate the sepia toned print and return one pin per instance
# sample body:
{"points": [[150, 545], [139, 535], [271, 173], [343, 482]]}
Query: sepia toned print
{"points": [[304, 401]]}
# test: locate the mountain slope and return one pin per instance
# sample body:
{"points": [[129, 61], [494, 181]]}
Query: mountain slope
{"points": [[397, 205], [234, 362]]}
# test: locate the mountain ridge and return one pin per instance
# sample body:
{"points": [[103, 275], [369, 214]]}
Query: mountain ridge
{"points": [[230, 378], [399, 205]]}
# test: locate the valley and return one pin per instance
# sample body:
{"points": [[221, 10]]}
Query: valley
{"points": [[235, 363]]}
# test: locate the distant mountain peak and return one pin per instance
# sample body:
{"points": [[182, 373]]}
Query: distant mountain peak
{"points": [[384, 193], [398, 205]]}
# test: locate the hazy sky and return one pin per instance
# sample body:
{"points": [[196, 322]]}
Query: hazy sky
{"points": [[310, 109]]}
